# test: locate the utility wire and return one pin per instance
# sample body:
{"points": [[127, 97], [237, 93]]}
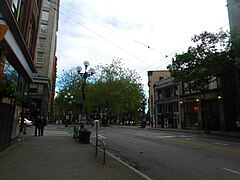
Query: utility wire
{"points": [[100, 24], [107, 40], [149, 66]]}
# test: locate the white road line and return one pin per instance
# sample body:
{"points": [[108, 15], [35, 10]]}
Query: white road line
{"points": [[230, 170], [224, 144], [100, 136], [166, 136]]}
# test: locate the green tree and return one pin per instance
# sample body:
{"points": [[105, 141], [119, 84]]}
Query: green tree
{"points": [[213, 55], [114, 91]]}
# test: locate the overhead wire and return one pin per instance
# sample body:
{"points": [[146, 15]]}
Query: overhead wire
{"points": [[149, 66], [115, 31]]}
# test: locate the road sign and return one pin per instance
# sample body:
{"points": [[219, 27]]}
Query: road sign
{"points": [[3, 29]]}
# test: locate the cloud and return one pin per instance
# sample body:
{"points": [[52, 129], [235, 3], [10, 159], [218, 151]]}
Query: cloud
{"points": [[142, 32]]}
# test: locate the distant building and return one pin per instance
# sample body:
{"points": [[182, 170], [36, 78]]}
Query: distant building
{"points": [[202, 109], [153, 77], [231, 83], [17, 51], [43, 87], [167, 103]]}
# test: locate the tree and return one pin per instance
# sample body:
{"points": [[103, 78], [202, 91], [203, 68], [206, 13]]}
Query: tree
{"points": [[114, 91], [119, 90], [214, 55]]}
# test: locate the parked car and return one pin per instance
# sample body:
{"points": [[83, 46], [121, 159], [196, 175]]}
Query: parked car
{"points": [[27, 121]]}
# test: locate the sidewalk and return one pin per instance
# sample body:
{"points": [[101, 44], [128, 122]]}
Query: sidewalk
{"points": [[59, 157]]}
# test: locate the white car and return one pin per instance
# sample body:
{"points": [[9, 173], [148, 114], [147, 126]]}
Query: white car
{"points": [[28, 122]]}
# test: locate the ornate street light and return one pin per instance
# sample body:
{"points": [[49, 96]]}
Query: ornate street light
{"points": [[85, 75], [69, 98]]}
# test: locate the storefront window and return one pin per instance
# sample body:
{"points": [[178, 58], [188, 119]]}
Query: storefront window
{"points": [[10, 81]]}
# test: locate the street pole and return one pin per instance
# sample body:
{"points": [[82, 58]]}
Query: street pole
{"points": [[85, 75]]}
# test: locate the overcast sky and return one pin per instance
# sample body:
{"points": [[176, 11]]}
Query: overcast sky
{"points": [[141, 32]]}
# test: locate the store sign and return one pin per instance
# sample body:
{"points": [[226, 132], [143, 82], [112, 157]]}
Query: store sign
{"points": [[3, 29]]}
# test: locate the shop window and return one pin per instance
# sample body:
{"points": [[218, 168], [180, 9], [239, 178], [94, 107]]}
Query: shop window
{"points": [[9, 80]]}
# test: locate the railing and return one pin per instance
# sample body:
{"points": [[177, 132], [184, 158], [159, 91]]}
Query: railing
{"points": [[102, 146]]}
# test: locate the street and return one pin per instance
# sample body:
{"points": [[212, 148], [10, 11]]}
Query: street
{"points": [[173, 155]]}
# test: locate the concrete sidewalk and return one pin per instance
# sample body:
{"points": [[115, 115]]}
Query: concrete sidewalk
{"points": [[60, 157]]}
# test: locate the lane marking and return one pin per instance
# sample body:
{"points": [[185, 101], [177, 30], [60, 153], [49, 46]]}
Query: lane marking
{"points": [[224, 144], [230, 170], [127, 165], [100, 136], [206, 146]]}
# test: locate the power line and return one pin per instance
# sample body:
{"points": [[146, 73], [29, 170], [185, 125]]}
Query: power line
{"points": [[124, 35]]}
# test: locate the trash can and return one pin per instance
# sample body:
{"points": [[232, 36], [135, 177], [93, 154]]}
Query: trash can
{"points": [[143, 124], [75, 132], [84, 136]]}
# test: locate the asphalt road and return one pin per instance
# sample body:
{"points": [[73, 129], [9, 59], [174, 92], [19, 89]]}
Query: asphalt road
{"points": [[173, 155]]}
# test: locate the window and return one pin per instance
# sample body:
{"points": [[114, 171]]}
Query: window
{"points": [[43, 28], [45, 15], [40, 57], [16, 8], [39, 71], [46, 3], [31, 33], [41, 42], [33, 88], [40, 89], [160, 94], [167, 92]]}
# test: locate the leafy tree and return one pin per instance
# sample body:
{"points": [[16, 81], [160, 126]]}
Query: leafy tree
{"points": [[213, 55], [113, 91]]}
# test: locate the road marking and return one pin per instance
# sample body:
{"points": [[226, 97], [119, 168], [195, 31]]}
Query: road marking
{"points": [[166, 136], [224, 144], [100, 136], [230, 170], [206, 146]]}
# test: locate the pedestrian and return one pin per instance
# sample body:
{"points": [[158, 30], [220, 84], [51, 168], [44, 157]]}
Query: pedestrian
{"points": [[43, 124], [37, 125]]}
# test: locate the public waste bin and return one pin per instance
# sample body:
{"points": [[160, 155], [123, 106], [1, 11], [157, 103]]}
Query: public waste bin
{"points": [[84, 136], [75, 132], [143, 124]]}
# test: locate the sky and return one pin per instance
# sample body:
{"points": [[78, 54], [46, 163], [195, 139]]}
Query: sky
{"points": [[145, 34]]}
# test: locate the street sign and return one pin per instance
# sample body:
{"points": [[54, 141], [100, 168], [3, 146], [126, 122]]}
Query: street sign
{"points": [[3, 29]]}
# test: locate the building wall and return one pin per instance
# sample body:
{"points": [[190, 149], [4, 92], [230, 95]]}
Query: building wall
{"points": [[45, 60], [153, 77], [232, 103], [17, 54], [167, 103]]}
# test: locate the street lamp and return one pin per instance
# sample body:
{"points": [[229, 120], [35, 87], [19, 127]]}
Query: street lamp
{"points": [[85, 75], [69, 98]]}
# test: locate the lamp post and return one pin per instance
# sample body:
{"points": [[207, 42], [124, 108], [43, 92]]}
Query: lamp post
{"points": [[69, 98], [85, 75]]}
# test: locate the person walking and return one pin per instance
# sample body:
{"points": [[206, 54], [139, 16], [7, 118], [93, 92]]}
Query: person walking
{"points": [[37, 125], [43, 124]]}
